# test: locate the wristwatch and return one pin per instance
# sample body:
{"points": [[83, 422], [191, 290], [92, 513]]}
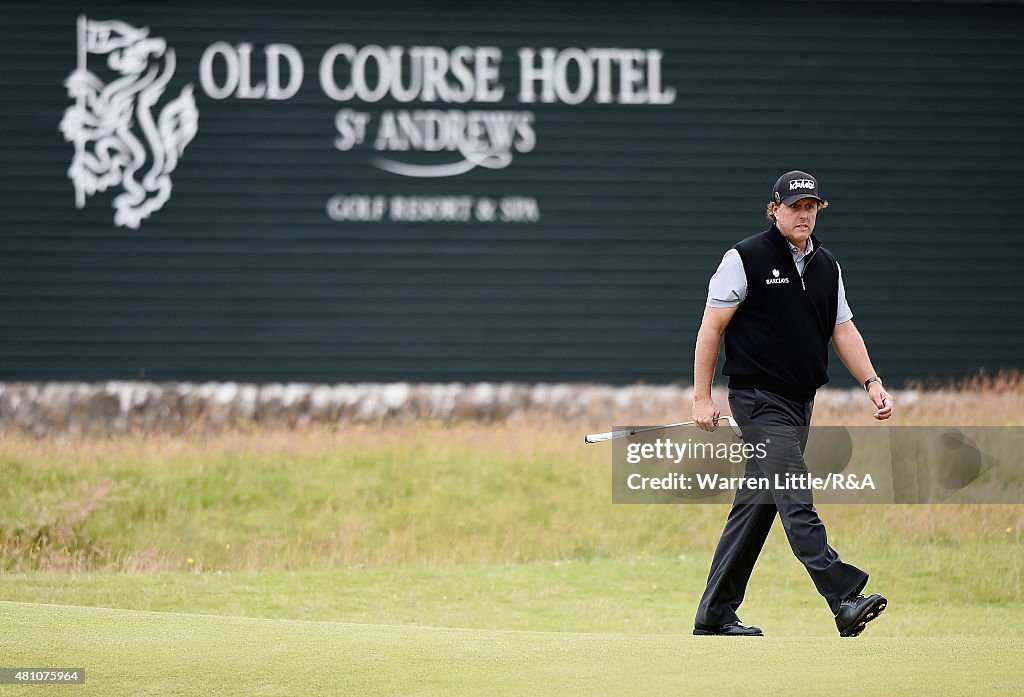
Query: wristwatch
{"points": [[871, 380]]}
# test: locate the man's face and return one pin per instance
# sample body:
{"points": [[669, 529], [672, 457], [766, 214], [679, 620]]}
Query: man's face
{"points": [[796, 221]]}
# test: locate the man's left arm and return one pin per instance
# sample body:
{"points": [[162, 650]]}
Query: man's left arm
{"points": [[854, 354]]}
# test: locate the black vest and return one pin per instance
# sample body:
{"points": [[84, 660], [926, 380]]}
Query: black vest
{"points": [[778, 338]]}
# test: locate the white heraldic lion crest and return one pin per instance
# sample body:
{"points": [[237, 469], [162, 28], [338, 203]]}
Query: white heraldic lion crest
{"points": [[118, 142]]}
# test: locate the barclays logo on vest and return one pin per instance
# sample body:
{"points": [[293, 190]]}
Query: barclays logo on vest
{"points": [[776, 279]]}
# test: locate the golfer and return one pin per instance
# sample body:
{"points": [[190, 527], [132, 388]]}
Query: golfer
{"points": [[777, 298]]}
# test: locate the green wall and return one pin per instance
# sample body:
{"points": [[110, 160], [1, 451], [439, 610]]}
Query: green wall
{"points": [[910, 115]]}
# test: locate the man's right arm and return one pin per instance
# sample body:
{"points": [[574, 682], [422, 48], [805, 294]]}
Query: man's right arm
{"points": [[705, 356]]}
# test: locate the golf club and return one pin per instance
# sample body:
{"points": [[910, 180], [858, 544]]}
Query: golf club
{"points": [[626, 432]]}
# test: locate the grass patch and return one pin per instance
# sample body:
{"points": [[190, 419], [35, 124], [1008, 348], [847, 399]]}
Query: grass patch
{"points": [[652, 596], [397, 495], [469, 558], [127, 652]]}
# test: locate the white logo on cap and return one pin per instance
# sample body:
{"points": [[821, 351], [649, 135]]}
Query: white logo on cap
{"points": [[801, 184]]}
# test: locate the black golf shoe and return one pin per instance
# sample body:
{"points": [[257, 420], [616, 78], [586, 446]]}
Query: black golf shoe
{"points": [[854, 613], [730, 629]]}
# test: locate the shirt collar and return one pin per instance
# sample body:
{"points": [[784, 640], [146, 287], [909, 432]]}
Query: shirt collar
{"points": [[796, 250], [778, 238]]}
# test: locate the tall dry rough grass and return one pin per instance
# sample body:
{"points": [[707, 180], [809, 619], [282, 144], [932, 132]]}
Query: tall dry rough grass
{"points": [[412, 492]]}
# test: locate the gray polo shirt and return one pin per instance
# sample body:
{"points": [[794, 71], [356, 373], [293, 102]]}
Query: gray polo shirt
{"points": [[728, 287]]}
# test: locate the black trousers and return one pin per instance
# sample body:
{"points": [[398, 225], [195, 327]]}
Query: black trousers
{"points": [[786, 423]]}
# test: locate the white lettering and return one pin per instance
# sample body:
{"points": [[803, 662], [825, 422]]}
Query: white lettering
{"points": [[488, 58], [631, 77], [434, 74], [586, 76], [231, 70], [357, 208], [835, 481], [399, 91], [246, 90], [707, 482], [602, 57], [483, 138], [238, 73], [632, 453], [519, 209], [433, 209], [383, 70], [463, 91], [419, 73], [530, 74], [327, 82], [639, 76], [657, 94], [351, 127], [435, 67], [274, 53]]}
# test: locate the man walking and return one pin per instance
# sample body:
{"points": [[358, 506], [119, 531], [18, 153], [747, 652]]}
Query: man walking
{"points": [[778, 298]]}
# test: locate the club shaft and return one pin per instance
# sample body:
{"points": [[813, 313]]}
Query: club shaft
{"points": [[627, 432]]}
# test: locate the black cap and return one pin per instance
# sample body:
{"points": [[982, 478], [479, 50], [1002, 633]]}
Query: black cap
{"points": [[795, 185]]}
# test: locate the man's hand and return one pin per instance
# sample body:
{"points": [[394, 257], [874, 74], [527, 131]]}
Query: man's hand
{"points": [[854, 354], [706, 414], [881, 399], [705, 355]]}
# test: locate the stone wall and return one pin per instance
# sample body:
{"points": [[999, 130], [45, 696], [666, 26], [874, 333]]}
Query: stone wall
{"points": [[118, 407]]}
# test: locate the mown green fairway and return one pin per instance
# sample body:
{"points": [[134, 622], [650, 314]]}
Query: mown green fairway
{"points": [[608, 627], [130, 652], [637, 596], [472, 559]]}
